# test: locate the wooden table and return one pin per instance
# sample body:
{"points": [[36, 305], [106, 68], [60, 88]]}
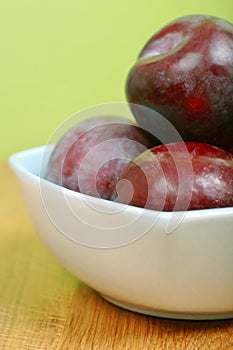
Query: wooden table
{"points": [[42, 306]]}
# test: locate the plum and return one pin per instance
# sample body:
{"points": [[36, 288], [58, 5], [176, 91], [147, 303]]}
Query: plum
{"points": [[185, 72], [178, 176], [91, 156]]}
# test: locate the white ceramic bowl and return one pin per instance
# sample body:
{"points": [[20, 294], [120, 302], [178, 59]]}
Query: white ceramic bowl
{"points": [[177, 265]]}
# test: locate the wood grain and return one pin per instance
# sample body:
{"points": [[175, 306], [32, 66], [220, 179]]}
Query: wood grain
{"points": [[42, 306]]}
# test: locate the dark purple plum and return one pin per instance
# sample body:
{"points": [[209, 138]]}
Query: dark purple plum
{"points": [[168, 178], [185, 72], [91, 156]]}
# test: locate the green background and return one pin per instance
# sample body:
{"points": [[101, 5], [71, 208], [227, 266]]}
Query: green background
{"points": [[60, 57]]}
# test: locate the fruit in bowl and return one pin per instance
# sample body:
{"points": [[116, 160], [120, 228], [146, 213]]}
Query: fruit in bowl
{"points": [[91, 156], [110, 158], [185, 72], [178, 176]]}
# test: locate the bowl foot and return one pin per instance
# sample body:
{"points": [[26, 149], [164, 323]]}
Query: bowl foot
{"points": [[166, 313]]}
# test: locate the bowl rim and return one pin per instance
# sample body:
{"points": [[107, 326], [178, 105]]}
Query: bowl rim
{"points": [[16, 163]]}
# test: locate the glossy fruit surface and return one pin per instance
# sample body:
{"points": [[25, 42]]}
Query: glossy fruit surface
{"points": [[91, 156], [179, 176], [185, 72]]}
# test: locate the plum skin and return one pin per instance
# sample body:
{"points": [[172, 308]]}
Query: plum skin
{"points": [[154, 178], [91, 156], [185, 72]]}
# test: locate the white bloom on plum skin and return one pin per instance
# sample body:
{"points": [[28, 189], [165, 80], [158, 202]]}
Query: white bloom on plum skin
{"points": [[190, 61], [163, 45], [221, 50]]}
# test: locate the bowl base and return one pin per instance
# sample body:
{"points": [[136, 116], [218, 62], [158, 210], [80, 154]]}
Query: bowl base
{"points": [[167, 314]]}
